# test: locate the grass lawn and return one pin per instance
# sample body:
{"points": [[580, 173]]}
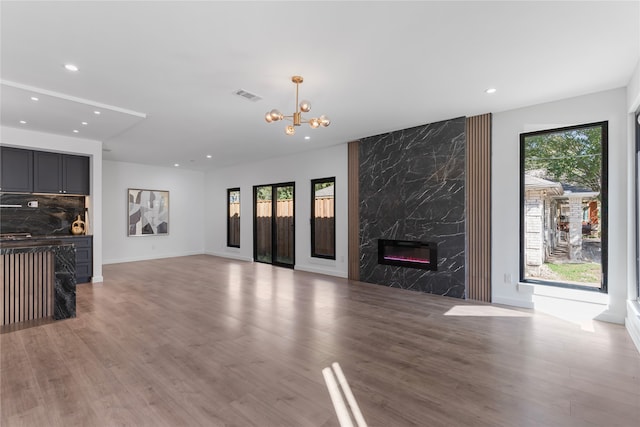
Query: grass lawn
{"points": [[583, 273]]}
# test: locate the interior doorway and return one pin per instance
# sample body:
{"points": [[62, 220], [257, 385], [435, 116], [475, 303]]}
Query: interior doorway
{"points": [[274, 224]]}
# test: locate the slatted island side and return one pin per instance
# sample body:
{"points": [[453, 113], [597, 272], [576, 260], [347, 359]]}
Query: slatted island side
{"points": [[38, 280]]}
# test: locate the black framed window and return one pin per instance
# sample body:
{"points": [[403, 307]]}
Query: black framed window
{"points": [[233, 217], [323, 214], [563, 207], [637, 129]]}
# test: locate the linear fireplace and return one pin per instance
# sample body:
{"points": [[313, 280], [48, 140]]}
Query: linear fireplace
{"points": [[405, 253]]}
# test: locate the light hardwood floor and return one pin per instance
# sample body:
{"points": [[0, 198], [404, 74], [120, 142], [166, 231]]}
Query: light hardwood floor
{"points": [[206, 341]]}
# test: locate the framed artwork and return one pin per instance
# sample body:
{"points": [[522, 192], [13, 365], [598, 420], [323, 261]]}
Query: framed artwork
{"points": [[148, 212]]}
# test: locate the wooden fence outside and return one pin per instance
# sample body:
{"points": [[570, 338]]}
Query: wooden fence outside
{"points": [[324, 229], [234, 224], [284, 230]]}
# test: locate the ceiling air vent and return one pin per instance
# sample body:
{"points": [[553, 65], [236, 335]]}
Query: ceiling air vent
{"points": [[247, 95]]}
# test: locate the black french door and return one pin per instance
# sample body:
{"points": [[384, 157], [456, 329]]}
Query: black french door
{"points": [[274, 224]]}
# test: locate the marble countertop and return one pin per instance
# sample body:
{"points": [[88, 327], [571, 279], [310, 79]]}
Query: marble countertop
{"points": [[35, 237], [31, 243], [59, 236]]}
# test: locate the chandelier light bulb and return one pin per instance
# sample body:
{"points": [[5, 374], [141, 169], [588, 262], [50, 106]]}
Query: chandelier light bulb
{"points": [[324, 120], [275, 115], [305, 106], [314, 123], [290, 130], [268, 118]]}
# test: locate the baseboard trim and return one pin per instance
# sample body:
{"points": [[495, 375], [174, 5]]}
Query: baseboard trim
{"points": [[512, 301], [147, 257], [313, 269], [632, 322], [610, 318], [229, 255]]}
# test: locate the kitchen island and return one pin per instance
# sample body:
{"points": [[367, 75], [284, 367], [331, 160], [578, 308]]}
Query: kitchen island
{"points": [[38, 280]]}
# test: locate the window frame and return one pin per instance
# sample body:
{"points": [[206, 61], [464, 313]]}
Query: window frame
{"points": [[314, 182], [229, 191], [604, 216], [636, 117]]}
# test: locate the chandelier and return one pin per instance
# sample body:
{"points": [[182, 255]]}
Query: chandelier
{"points": [[297, 119]]}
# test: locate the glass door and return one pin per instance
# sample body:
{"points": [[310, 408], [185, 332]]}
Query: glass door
{"points": [[263, 213], [274, 224], [284, 230]]}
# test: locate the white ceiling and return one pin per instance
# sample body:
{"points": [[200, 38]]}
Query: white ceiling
{"points": [[372, 67]]}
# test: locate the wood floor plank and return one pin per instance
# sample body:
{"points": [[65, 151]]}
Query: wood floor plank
{"points": [[202, 340]]}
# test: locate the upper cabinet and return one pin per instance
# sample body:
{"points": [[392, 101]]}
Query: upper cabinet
{"points": [[47, 172], [75, 174], [60, 173], [16, 170]]}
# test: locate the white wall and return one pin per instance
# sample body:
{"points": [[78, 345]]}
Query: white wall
{"points": [[632, 320], [63, 144], [186, 212], [299, 168], [505, 246]]}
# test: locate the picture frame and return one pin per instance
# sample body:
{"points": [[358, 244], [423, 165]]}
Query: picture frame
{"points": [[147, 212]]}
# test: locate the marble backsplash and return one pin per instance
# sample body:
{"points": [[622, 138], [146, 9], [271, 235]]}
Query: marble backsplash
{"points": [[52, 217], [412, 187]]}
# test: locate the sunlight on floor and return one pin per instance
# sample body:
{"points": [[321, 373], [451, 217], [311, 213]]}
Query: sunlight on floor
{"points": [[484, 311]]}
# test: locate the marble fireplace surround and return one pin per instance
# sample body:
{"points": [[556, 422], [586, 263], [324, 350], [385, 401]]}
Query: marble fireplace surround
{"points": [[412, 187]]}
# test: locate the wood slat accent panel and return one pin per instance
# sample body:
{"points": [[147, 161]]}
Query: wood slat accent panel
{"points": [[479, 207], [354, 207], [27, 287]]}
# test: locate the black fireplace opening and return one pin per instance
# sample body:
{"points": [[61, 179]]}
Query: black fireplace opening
{"points": [[408, 253]]}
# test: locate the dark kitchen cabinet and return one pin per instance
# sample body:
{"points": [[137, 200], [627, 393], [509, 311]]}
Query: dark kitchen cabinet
{"points": [[60, 173], [75, 174], [47, 172], [16, 170], [84, 257]]}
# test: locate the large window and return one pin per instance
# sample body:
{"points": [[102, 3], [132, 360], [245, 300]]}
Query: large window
{"points": [[323, 212], [563, 207], [233, 217]]}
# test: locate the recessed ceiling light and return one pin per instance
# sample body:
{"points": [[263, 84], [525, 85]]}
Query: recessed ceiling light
{"points": [[96, 112], [307, 137], [176, 164], [491, 90], [22, 122], [34, 98], [209, 156], [76, 131], [84, 123], [71, 67]]}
